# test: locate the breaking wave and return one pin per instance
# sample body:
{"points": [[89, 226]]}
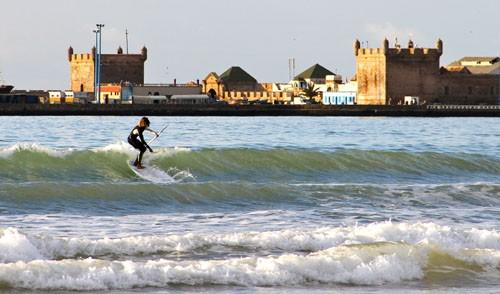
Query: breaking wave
{"points": [[31, 163], [374, 254]]}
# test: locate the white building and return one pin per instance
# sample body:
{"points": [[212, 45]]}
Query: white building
{"points": [[339, 98]]}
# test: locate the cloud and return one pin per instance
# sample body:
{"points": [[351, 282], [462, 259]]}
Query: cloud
{"points": [[391, 32]]}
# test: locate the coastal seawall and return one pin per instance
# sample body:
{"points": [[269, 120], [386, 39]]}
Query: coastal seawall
{"points": [[249, 110]]}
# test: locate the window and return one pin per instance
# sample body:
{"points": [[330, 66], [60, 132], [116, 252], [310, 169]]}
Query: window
{"points": [[492, 91], [446, 90], [470, 90]]}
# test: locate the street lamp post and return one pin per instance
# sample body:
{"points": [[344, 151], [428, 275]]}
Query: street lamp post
{"points": [[95, 62], [99, 29]]}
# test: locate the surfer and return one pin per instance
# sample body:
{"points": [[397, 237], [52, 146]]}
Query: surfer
{"points": [[141, 145]]}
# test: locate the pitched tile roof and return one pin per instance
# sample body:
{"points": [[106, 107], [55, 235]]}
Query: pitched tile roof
{"points": [[489, 59], [492, 68], [236, 74], [314, 72]]}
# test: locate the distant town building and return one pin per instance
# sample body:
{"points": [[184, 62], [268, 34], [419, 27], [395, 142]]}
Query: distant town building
{"points": [[235, 85], [110, 94], [317, 75], [476, 65], [191, 99], [339, 98], [43, 96], [149, 99], [56, 97], [13, 98], [386, 75], [115, 69], [234, 79], [167, 90]]}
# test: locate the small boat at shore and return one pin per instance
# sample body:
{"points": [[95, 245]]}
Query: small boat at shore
{"points": [[5, 89]]}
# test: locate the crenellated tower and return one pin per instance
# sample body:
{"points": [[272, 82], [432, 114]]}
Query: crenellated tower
{"points": [[385, 75], [115, 68]]}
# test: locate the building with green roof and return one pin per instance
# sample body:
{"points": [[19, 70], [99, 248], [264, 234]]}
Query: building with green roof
{"points": [[234, 79], [315, 72]]}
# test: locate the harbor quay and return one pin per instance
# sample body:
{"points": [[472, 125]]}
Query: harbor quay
{"points": [[249, 110]]}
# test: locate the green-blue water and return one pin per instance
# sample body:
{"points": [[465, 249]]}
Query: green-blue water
{"points": [[253, 204]]}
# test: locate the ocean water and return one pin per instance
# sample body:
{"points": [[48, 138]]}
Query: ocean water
{"points": [[252, 205]]}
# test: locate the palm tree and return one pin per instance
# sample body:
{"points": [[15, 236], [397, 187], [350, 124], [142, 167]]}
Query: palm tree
{"points": [[311, 92]]}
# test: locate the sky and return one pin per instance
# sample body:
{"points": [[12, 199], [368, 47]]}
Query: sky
{"points": [[187, 39]]}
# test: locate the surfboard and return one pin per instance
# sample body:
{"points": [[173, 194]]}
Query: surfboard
{"points": [[151, 174]]}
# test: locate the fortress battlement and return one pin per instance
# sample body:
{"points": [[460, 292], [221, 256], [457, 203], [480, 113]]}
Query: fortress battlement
{"points": [[397, 50], [81, 56], [143, 56]]}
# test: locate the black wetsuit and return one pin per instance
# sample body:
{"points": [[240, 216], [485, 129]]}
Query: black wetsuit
{"points": [[132, 139]]}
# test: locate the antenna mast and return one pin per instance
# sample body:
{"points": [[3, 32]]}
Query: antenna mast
{"points": [[126, 39]]}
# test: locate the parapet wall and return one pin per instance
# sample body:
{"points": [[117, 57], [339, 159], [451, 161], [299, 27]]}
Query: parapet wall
{"points": [[399, 51], [82, 57], [456, 88]]}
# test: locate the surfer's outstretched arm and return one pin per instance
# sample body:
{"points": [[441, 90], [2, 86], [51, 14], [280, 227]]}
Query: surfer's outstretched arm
{"points": [[152, 131]]}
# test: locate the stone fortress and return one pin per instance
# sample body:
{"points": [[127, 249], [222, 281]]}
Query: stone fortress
{"points": [[115, 68], [386, 75]]}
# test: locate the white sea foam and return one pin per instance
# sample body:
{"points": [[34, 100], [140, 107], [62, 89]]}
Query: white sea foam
{"points": [[363, 255], [6, 152], [378, 265], [17, 246], [118, 147]]}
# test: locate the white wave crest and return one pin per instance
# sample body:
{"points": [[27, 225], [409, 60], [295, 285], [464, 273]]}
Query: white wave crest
{"points": [[387, 263], [6, 152], [118, 147], [16, 246], [452, 241]]}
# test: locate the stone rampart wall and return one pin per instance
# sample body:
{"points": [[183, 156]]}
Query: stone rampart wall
{"points": [[243, 110]]}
